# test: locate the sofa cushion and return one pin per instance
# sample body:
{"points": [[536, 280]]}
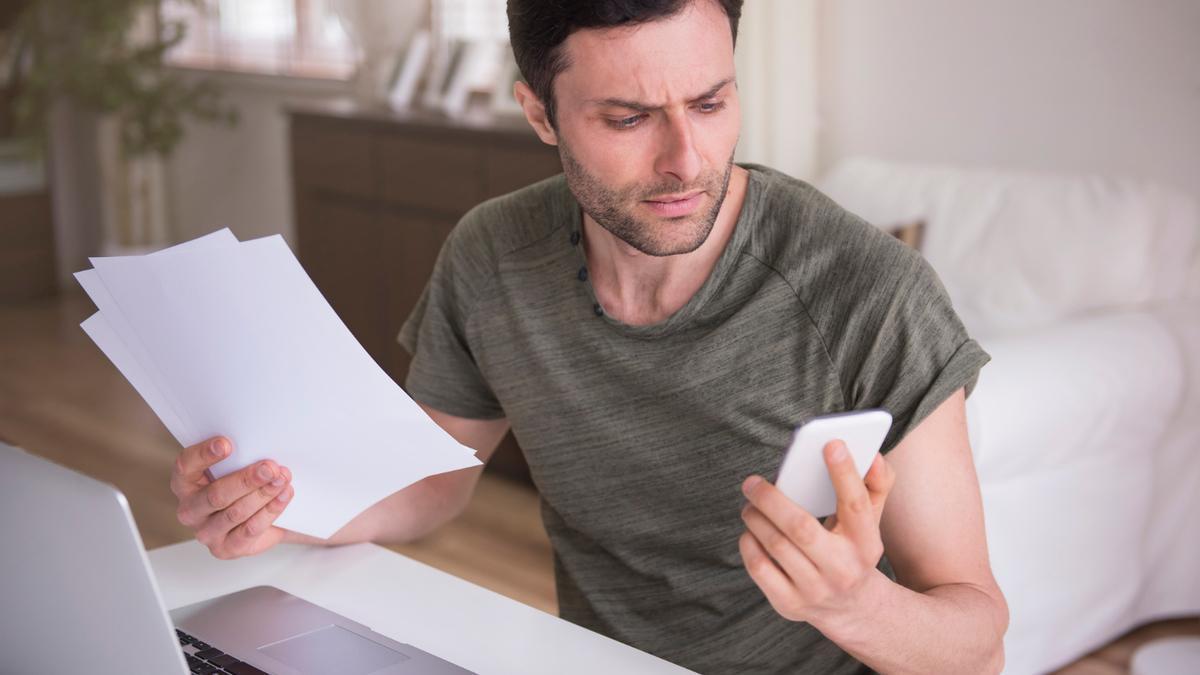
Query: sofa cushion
{"points": [[1067, 425], [1018, 250]]}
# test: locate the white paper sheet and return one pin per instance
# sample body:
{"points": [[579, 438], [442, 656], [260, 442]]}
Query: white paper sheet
{"points": [[98, 328], [236, 340], [132, 353]]}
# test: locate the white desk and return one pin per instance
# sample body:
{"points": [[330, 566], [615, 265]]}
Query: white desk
{"points": [[409, 602]]}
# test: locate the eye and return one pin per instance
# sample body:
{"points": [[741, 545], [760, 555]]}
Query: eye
{"points": [[711, 107], [626, 122]]}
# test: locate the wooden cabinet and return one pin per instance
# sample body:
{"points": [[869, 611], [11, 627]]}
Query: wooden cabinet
{"points": [[375, 195], [27, 256]]}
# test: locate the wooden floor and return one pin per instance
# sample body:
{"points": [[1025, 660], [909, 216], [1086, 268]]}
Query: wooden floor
{"points": [[60, 398]]}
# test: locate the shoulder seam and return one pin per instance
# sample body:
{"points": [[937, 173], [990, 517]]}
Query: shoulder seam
{"points": [[811, 320], [495, 272], [527, 244]]}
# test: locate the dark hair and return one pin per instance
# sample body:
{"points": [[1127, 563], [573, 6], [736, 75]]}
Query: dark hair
{"points": [[537, 29]]}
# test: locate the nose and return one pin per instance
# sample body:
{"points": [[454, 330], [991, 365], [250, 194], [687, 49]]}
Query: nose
{"points": [[678, 156]]}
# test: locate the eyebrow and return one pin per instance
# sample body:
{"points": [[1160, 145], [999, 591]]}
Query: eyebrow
{"points": [[644, 107]]}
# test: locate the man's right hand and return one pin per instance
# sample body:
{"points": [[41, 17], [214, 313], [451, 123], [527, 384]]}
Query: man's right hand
{"points": [[232, 515]]}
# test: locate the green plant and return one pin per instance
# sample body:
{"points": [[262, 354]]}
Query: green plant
{"points": [[100, 55]]}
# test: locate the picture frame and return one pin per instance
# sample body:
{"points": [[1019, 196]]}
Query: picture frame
{"points": [[474, 74], [446, 60], [409, 69]]}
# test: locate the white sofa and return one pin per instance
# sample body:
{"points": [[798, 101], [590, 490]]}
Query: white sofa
{"points": [[1086, 424]]}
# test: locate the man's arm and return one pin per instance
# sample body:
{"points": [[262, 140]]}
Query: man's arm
{"points": [[427, 504], [234, 515], [947, 613]]}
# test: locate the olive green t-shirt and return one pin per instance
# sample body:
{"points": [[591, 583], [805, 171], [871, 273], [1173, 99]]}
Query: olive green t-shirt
{"points": [[639, 437]]}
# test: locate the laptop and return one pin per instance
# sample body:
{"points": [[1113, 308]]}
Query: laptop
{"points": [[77, 595]]}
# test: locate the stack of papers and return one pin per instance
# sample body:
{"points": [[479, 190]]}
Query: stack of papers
{"points": [[222, 337]]}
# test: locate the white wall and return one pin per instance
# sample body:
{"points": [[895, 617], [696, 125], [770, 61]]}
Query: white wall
{"points": [[240, 177], [777, 85], [1105, 86]]}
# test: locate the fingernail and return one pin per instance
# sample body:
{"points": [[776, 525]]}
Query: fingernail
{"points": [[751, 483], [264, 472], [285, 496], [218, 448], [839, 451], [278, 481]]}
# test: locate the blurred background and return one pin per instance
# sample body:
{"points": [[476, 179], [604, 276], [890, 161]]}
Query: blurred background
{"points": [[1043, 156]]}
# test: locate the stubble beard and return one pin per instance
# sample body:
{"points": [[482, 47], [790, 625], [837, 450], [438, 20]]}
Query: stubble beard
{"points": [[613, 208]]}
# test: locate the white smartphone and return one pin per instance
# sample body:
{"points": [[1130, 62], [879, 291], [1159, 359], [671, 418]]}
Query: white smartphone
{"points": [[803, 475]]}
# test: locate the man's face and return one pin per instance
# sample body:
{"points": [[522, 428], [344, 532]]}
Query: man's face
{"points": [[647, 123]]}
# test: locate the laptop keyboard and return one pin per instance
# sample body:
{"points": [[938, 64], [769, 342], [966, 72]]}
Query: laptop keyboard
{"points": [[205, 659]]}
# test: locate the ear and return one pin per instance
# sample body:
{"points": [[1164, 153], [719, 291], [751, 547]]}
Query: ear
{"points": [[535, 113]]}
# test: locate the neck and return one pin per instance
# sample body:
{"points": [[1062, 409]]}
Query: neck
{"points": [[639, 289]]}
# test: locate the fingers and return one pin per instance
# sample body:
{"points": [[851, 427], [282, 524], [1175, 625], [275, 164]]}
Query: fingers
{"points": [[254, 546], [797, 525], [217, 525], [257, 533], [786, 553], [188, 474], [854, 506], [222, 493], [775, 585], [251, 534], [234, 515], [879, 481]]}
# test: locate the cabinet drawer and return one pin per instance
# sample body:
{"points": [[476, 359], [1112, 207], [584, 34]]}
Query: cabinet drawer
{"points": [[511, 167], [339, 248], [436, 174], [27, 257], [333, 157], [411, 245]]}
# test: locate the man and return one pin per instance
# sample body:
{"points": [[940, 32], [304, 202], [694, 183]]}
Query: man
{"points": [[652, 325]]}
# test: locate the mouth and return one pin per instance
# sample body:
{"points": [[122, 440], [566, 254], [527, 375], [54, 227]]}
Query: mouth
{"points": [[675, 205]]}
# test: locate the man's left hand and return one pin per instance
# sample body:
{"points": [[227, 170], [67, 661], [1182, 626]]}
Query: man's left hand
{"points": [[808, 570]]}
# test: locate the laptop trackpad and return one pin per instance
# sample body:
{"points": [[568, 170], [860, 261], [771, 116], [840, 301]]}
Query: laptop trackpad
{"points": [[333, 650]]}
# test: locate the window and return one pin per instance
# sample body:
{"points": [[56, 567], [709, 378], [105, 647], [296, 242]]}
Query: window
{"points": [[279, 37], [472, 19], [301, 37]]}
